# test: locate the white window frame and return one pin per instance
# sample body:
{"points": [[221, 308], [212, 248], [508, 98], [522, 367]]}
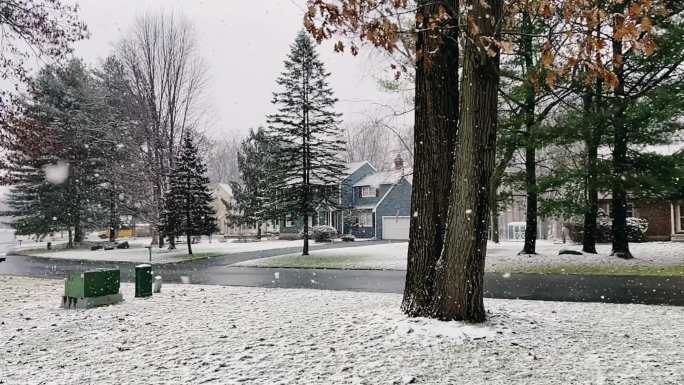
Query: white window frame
{"points": [[288, 221], [365, 219], [367, 192]]}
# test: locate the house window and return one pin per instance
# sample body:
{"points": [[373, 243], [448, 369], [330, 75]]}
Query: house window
{"points": [[288, 221], [630, 210], [367, 192], [365, 219]]}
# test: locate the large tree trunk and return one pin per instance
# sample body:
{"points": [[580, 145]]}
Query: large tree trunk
{"points": [[529, 107], [70, 241], [113, 220], [160, 209], [460, 271], [529, 247], [591, 200], [497, 177], [495, 222], [188, 226], [620, 243], [436, 122], [305, 249], [78, 228]]}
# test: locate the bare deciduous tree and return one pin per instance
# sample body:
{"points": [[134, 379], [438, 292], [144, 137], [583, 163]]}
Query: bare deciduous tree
{"points": [[222, 160], [166, 78], [378, 142]]}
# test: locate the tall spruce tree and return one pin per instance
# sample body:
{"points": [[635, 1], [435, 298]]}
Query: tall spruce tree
{"points": [[188, 207], [307, 141], [251, 192], [53, 158]]}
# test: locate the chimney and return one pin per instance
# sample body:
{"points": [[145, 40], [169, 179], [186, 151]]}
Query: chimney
{"points": [[398, 162]]}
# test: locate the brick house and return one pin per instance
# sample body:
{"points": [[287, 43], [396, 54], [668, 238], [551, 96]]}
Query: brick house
{"points": [[665, 221]]}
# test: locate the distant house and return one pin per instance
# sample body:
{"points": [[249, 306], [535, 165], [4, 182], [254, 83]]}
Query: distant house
{"points": [[371, 204], [665, 218], [224, 204]]}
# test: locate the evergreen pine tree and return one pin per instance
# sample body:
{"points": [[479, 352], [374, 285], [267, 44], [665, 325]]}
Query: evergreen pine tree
{"points": [[306, 164], [187, 205], [53, 158], [122, 159], [251, 193]]}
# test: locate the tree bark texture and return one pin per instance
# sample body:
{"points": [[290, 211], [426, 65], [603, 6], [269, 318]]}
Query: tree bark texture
{"points": [[436, 123], [529, 107], [460, 270], [495, 223], [113, 214], [619, 230], [591, 141], [497, 177]]}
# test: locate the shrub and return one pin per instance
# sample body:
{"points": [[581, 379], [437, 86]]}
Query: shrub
{"points": [[324, 233], [348, 238], [289, 236], [636, 229]]}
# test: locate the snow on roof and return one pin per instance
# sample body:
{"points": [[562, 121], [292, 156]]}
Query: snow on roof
{"points": [[353, 166], [383, 177], [365, 207]]}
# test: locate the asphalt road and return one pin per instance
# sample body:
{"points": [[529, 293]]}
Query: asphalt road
{"points": [[217, 271]]}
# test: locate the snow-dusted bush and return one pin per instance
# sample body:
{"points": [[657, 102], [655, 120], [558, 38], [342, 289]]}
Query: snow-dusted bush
{"points": [[290, 236], [636, 229], [324, 233]]}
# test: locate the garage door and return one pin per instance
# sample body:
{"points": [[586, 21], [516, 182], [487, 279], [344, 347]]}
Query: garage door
{"points": [[396, 228]]}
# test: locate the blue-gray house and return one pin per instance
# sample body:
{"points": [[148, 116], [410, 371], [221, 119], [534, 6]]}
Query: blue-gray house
{"points": [[371, 204]]}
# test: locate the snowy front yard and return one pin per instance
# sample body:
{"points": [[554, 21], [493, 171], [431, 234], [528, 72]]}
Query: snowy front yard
{"points": [[139, 254], [231, 335], [653, 258]]}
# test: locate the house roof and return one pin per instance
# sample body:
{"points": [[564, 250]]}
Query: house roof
{"points": [[383, 177], [365, 207], [354, 166]]}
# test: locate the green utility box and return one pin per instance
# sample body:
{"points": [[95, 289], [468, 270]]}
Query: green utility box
{"points": [[143, 281], [86, 289]]}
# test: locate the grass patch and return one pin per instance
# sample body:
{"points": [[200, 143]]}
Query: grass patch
{"points": [[203, 255], [314, 262], [656, 271]]}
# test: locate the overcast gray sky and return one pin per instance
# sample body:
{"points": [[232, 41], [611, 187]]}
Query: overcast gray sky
{"points": [[244, 43]]}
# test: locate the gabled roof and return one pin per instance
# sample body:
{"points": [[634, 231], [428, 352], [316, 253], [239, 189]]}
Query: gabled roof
{"points": [[383, 177], [355, 166]]}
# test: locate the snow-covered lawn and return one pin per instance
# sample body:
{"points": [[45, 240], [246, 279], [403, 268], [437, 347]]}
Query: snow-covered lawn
{"points": [[390, 256], [231, 335], [139, 254], [502, 257]]}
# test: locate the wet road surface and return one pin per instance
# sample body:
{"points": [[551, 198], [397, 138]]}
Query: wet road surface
{"points": [[217, 271]]}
